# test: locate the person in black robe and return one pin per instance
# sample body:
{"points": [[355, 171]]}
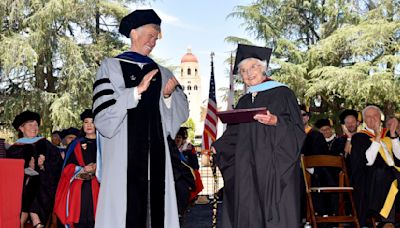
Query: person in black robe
{"points": [[375, 154], [43, 165], [327, 204], [79, 187], [259, 160], [186, 194], [314, 144], [335, 143], [350, 120]]}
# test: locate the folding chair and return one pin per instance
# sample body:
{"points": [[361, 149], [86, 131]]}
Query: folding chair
{"points": [[342, 188]]}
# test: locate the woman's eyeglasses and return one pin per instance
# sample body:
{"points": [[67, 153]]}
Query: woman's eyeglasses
{"points": [[250, 70]]}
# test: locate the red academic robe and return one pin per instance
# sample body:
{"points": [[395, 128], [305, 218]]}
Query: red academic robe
{"points": [[73, 187]]}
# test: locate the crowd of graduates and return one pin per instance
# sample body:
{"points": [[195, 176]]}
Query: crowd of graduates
{"points": [[61, 179], [371, 150]]}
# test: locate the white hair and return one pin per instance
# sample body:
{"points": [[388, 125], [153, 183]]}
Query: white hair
{"points": [[263, 64], [371, 107]]}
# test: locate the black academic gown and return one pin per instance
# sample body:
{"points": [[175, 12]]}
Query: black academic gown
{"points": [[38, 195], [314, 144], [371, 183], [146, 142], [260, 164], [328, 177]]}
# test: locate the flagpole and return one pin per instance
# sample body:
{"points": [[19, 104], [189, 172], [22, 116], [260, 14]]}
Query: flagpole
{"points": [[209, 136], [214, 166], [231, 86]]}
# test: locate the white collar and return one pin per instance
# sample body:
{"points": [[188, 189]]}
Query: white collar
{"points": [[330, 138]]}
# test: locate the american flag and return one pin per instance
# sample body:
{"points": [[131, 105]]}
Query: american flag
{"points": [[210, 122]]}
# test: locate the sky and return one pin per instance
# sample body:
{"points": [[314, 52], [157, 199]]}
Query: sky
{"points": [[201, 25]]}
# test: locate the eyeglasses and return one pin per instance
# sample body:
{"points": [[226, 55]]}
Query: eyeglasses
{"points": [[249, 70], [304, 114]]}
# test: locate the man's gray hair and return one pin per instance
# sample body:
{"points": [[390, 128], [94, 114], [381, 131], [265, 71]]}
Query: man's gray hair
{"points": [[371, 107], [263, 64]]}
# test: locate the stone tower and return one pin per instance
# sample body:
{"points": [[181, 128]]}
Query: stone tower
{"points": [[190, 80]]}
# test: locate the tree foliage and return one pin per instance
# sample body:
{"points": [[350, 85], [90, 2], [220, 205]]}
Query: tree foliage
{"points": [[343, 53], [49, 53]]}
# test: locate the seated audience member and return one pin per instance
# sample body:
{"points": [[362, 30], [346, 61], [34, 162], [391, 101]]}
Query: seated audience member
{"points": [[335, 144], [43, 165], [374, 154], [328, 176], [349, 121], [68, 135], [315, 142], [56, 138]]}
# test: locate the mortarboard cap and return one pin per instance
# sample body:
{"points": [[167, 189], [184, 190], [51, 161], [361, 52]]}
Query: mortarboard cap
{"points": [[86, 114], [69, 131], [348, 112], [183, 132], [323, 122], [24, 117], [249, 51], [136, 19]]}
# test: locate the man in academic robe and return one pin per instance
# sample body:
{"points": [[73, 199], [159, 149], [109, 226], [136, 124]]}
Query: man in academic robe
{"points": [[259, 160], [350, 122], [328, 176], [374, 154], [314, 144], [138, 106], [335, 143]]}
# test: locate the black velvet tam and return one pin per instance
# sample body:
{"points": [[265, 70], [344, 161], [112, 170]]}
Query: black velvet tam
{"points": [[86, 114], [24, 117], [138, 18]]}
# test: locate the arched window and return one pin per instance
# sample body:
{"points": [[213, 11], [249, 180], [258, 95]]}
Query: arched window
{"points": [[189, 87], [195, 72], [189, 71], [195, 87], [181, 72]]}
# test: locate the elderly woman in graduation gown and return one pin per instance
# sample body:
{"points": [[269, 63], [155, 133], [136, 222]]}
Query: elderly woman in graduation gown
{"points": [[43, 165], [78, 189], [261, 173]]}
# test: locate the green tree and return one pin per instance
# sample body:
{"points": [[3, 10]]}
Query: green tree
{"points": [[191, 128], [49, 53], [341, 53]]}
